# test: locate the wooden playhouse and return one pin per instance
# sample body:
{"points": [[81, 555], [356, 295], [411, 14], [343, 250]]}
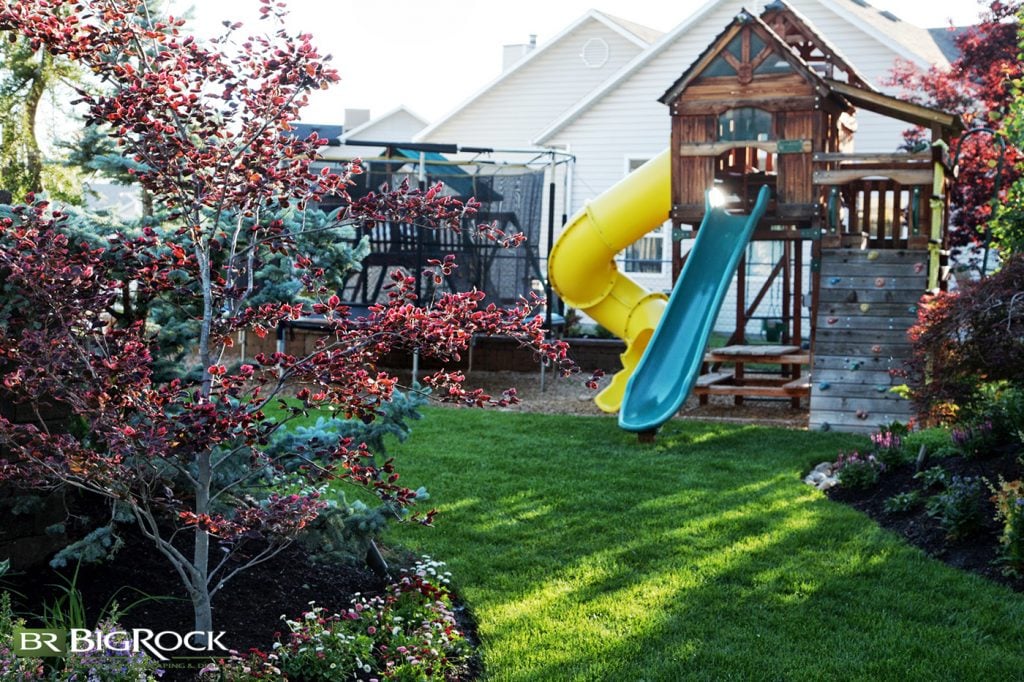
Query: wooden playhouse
{"points": [[772, 102]]}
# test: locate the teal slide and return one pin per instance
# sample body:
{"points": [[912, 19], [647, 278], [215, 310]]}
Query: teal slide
{"points": [[671, 363]]}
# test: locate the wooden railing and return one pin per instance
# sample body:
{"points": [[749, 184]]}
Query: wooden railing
{"points": [[876, 200]]}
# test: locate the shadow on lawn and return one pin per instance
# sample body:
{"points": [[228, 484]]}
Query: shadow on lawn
{"points": [[714, 564]]}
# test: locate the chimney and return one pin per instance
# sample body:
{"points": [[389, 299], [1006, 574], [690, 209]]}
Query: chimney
{"points": [[513, 53], [355, 118]]}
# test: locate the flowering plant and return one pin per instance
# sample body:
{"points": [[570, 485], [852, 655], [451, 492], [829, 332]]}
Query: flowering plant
{"points": [[856, 470], [1009, 501], [888, 446], [408, 632], [958, 508], [974, 440]]}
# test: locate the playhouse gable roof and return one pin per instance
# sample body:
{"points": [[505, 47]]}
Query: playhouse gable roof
{"points": [[720, 49], [813, 47]]}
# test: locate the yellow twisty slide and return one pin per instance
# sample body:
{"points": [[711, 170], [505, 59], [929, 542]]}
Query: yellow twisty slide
{"points": [[583, 272]]}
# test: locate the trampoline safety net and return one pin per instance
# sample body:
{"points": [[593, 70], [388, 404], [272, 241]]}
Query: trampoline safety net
{"points": [[510, 195]]}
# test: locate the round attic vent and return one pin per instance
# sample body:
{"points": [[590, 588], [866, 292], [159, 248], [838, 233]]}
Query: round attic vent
{"points": [[595, 53]]}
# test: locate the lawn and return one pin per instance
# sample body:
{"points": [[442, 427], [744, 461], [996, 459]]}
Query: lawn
{"points": [[586, 556]]}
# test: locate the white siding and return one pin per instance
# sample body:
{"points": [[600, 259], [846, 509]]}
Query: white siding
{"points": [[517, 108], [398, 126]]}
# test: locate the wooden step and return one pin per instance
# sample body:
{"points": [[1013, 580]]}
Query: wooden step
{"points": [[713, 378], [793, 389]]}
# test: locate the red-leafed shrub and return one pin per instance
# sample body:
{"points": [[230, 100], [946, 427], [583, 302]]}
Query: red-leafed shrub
{"points": [[968, 338], [209, 131], [979, 86]]}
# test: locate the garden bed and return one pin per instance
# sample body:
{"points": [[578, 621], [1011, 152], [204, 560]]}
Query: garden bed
{"points": [[250, 610], [977, 549]]}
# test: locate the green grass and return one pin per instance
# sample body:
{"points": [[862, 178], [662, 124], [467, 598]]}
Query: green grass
{"points": [[586, 556]]}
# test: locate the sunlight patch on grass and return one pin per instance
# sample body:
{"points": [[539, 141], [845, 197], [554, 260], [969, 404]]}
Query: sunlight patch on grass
{"points": [[585, 556]]}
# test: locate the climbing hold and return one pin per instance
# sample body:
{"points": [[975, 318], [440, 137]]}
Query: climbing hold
{"points": [[835, 280], [832, 320], [855, 366], [912, 309], [824, 386], [851, 297], [876, 349], [872, 255], [919, 268], [825, 426], [864, 307], [879, 282], [881, 389], [861, 414]]}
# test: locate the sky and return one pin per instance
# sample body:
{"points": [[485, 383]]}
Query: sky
{"points": [[431, 55]]}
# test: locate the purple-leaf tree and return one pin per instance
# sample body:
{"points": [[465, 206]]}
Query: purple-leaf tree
{"points": [[209, 129]]}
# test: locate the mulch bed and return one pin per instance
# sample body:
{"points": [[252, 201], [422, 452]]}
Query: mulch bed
{"points": [[979, 551], [249, 609]]}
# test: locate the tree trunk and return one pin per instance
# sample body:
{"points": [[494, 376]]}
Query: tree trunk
{"points": [[203, 609]]}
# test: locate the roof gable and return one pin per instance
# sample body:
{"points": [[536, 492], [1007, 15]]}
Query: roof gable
{"points": [[645, 33], [399, 116], [628, 30], [638, 63], [798, 32], [744, 49]]}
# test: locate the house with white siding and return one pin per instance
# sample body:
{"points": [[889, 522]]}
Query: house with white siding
{"points": [[593, 90], [544, 83], [398, 125]]}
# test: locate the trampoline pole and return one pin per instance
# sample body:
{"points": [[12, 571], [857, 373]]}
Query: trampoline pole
{"points": [[549, 297]]}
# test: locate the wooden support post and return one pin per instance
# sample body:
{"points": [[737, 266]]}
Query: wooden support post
{"points": [[647, 436]]}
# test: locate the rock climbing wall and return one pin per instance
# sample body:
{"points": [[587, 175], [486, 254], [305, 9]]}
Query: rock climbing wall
{"points": [[868, 301]]}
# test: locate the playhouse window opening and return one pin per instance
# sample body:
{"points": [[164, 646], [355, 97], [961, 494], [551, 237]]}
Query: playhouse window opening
{"points": [[743, 124]]}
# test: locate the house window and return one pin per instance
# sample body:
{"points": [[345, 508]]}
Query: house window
{"points": [[647, 253]]}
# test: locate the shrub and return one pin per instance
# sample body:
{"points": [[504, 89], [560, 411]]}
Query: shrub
{"points": [[888, 447], [967, 338], [933, 477], [975, 440], [901, 503], [1002, 406], [935, 440], [407, 633], [14, 668], [1009, 501], [857, 471], [209, 131], [959, 508]]}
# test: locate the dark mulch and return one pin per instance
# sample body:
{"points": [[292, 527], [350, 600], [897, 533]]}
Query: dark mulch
{"points": [[249, 609], [979, 551]]}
